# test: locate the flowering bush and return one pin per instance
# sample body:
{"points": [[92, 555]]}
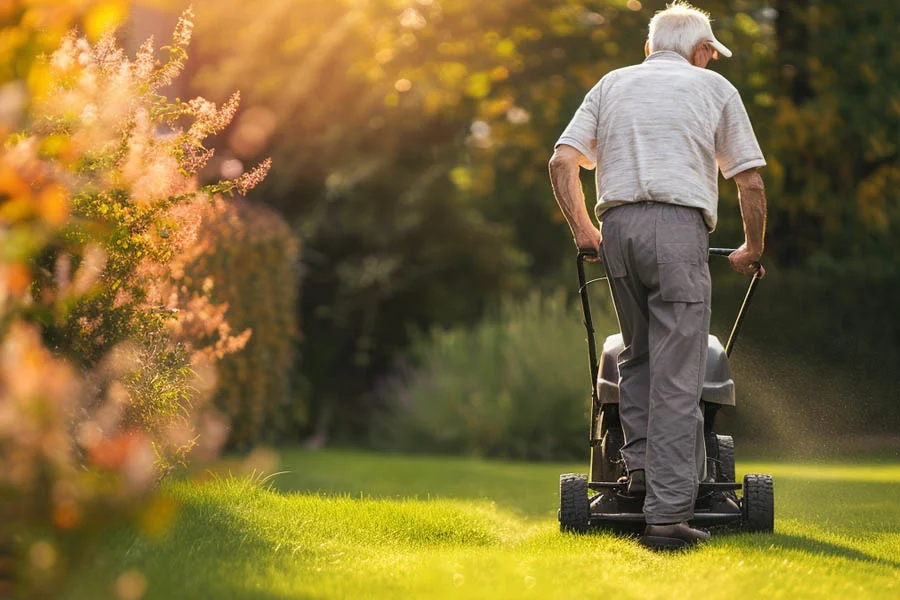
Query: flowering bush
{"points": [[255, 384], [106, 355]]}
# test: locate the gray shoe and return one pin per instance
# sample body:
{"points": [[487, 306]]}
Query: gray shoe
{"points": [[673, 537]]}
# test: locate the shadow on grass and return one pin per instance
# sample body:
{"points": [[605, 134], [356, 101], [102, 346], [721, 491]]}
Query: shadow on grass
{"points": [[812, 546]]}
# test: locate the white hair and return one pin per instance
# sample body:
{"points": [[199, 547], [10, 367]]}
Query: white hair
{"points": [[678, 28]]}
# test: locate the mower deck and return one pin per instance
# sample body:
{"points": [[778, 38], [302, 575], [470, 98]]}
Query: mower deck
{"points": [[614, 508], [705, 487]]}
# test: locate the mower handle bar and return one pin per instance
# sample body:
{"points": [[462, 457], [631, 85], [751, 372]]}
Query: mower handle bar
{"points": [[582, 254], [588, 323]]}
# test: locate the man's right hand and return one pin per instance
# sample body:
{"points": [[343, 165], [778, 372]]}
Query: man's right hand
{"points": [[746, 261], [589, 240]]}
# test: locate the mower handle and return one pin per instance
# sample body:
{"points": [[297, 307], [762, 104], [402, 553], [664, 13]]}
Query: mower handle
{"points": [[590, 253], [739, 320], [589, 326]]}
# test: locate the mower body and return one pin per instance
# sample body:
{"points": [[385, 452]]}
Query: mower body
{"points": [[718, 387]]}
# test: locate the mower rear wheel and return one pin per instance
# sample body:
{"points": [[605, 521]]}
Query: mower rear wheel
{"points": [[725, 466], [758, 504], [613, 440], [574, 507]]}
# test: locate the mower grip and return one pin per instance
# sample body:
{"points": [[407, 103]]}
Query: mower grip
{"points": [[727, 252]]}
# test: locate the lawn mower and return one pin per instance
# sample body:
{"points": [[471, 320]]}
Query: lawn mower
{"points": [[601, 500]]}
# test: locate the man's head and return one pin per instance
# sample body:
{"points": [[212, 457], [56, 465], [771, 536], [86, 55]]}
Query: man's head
{"points": [[686, 30]]}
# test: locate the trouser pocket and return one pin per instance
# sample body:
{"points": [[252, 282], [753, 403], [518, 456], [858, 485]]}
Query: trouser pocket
{"points": [[680, 252]]}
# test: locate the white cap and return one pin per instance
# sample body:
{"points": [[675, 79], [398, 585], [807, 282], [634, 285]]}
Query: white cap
{"points": [[680, 27], [723, 50]]}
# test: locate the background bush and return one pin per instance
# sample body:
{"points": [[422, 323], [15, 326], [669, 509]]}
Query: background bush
{"points": [[516, 385], [249, 265]]}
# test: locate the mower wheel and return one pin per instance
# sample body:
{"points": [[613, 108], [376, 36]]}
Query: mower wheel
{"points": [[758, 504], [574, 508], [613, 440], [725, 466]]}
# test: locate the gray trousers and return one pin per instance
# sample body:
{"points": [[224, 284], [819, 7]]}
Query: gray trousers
{"points": [[656, 260]]}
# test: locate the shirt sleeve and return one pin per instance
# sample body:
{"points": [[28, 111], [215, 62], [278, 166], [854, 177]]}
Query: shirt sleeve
{"points": [[736, 147], [581, 133]]}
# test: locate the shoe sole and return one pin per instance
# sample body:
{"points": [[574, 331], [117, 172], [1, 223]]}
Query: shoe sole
{"points": [[655, 542]]}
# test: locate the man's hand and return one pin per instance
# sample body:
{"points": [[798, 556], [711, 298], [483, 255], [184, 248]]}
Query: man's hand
{"points": [[589, 240], [746, 261]]}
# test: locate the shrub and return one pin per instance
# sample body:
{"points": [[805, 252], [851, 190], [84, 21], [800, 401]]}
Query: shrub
{"points": [[110, 301], [100, 378], [247, 261], [516, 385]]}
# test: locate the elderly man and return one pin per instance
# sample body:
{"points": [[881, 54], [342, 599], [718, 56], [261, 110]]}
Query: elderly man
{"points": [[657, 133]]}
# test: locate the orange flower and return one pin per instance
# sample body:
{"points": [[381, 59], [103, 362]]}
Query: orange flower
{"points": [[18, 278], [112, 452], [54, 204]]}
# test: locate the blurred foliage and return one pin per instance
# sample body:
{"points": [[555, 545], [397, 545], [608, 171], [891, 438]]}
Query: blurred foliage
{"points": [[103, 355], [515, 385], [29, 28], [835, 173], [247, 263], [808, 383]]}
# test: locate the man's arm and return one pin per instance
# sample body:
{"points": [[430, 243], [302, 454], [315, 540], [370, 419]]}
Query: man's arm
{"points": [[564, 165], [752, 195]]}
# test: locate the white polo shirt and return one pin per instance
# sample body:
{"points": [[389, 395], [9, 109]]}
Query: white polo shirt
{"points": [[660, 130]]}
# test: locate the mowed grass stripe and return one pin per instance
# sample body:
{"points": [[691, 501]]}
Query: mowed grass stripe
{"points": [[234, 539]]}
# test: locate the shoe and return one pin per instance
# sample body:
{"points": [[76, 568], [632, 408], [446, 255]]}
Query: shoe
{"points": [[721, 502], [636, 484], [673, 536]]}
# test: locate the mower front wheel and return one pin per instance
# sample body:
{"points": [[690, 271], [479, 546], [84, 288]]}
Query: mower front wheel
{"points": [[758, 504], [574, 508]]}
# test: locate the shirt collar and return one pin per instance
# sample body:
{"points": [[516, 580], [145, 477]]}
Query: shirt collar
{"points": [[666, 56]]}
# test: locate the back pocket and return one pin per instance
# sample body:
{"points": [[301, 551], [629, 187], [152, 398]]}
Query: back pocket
{"points": [[679, 251]]}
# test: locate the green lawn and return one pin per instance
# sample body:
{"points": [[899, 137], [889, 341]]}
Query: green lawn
{"points": [[355, 525]]}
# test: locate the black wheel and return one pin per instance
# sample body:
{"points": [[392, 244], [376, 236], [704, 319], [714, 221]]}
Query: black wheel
{"points": [[725, 464], [758, 504], [574, 509], [612, 439], [611, 446]]}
